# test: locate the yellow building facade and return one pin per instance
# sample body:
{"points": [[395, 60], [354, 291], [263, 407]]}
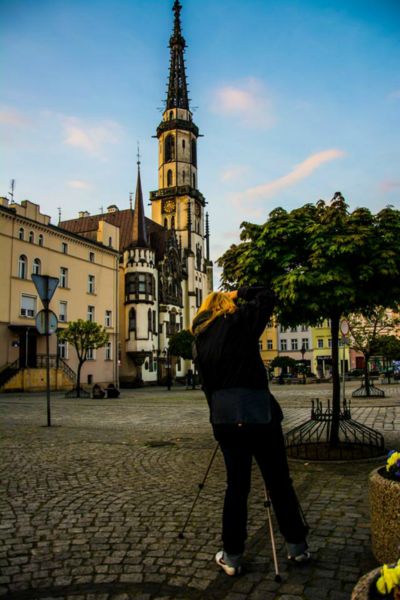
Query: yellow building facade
{"points": [[29, 244]]}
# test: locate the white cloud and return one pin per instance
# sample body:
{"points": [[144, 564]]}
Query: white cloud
{"points": [[299, 172], [388, 186], [90, 137], [248, 101], [395, 95], [79, 184], [9, 116], [233, 173]]}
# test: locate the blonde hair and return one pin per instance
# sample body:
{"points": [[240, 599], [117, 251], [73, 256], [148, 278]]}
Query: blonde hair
{"points": [[213, 306]]}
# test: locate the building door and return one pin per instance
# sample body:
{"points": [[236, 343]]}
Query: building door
{"points": [[27, 348]]}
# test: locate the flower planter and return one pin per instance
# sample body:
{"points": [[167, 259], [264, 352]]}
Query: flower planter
{"points": [[362, 591], [384, 496]]}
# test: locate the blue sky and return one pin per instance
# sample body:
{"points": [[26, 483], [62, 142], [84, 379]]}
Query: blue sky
{"points": [[296, 99]]}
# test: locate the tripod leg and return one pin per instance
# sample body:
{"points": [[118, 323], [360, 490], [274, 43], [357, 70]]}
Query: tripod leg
{"points": [[201, 485], [267, 504]]}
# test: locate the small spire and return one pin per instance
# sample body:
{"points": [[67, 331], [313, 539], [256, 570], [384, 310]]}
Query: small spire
{"points": [[139, 233], [207, 236], [177, 87]]}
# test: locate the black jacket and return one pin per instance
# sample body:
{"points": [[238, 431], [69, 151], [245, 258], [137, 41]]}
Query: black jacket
{"points": [[228, 354]]}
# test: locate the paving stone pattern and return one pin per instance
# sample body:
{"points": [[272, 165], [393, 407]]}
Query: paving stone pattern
{"points": [[91, 507]]}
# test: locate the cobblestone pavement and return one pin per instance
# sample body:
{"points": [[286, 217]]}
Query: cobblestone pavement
{"points": [[91, 507]]}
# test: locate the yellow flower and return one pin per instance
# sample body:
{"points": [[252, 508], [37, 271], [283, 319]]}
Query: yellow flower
{"points": [[389, 579]]}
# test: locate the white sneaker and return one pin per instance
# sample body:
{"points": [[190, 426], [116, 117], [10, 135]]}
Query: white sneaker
{"points": [[231, 571], [300, 558]]}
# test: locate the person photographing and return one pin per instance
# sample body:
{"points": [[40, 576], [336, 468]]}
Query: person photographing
{"points": [[245, 417]]}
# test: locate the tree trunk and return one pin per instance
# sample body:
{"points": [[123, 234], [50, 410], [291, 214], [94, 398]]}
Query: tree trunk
{"points": [[78, 380], [366, 374], [334, 434]]}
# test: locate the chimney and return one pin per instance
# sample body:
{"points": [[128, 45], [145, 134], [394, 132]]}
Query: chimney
{"points": [[83, 213]]}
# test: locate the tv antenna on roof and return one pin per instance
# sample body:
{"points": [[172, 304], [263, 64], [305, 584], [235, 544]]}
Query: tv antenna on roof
{"points": [[12, 188]]}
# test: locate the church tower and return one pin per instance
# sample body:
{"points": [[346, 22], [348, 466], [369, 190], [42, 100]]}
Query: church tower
{"points": [[178, 204]]}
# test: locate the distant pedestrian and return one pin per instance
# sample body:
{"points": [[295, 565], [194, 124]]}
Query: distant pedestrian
{"points": [[245, 417]]}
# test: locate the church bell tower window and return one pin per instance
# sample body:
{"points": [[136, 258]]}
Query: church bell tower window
{"points": [[169, 148], [169, 177], [194, 153]]}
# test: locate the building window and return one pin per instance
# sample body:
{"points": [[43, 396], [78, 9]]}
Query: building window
{"points": [[28, 306], [293, 329], [183, 144], [149, 320], [62, 311], [91, 257], [194, 180], [31, 237], [320, 343], [110, 242], [169, 148], [260, 346], [90, 313], [304, 328], [36, 267], [62, 347], [154, 322], [269, 345], [169, 177], [64, 247], [294, 344], [194, 153], [91, 284], [40, 240], [329, 343], [21, 233], [283, 329], [305, 343], [283, 344], [22, 266], [108, 318], [63, 277], [132, 320], [142, 283], [90, 354], [108, 351]]}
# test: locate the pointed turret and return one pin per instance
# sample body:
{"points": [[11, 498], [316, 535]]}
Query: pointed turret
{"points": [[139, 233], [177, 87]]}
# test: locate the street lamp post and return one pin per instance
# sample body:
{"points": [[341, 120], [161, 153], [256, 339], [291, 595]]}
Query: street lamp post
{"points": [[168, 368], [303, 351]]}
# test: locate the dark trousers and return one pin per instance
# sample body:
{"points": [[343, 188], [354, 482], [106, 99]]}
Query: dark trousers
{"points": [[265, 442]]}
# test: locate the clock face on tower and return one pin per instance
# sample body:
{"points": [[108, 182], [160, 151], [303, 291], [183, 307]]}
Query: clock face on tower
{"points": [[169, 206]]}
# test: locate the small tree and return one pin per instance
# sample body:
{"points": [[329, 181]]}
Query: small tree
{"points": [[283, 363], [366, 333], [387, 346], [323, 262], [84, 336], [180, 344]]}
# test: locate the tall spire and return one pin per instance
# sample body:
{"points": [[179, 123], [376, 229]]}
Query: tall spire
{"points": [[139, 234], [177, 87]]}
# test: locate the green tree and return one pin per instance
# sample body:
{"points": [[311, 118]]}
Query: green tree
{"points": [[368, 332], [283, 363], [180, 344], [322, 261], [83, 336]]}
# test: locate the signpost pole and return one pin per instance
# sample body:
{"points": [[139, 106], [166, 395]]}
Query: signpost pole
{"points": [[46, 286], [48, 369]]}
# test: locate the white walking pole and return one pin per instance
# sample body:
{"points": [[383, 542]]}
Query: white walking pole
{"points": [[267, 504]]}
